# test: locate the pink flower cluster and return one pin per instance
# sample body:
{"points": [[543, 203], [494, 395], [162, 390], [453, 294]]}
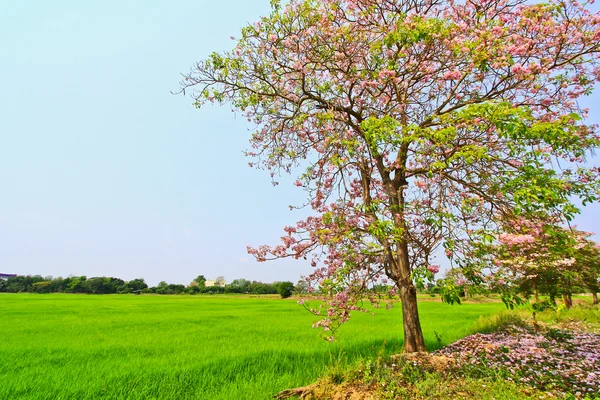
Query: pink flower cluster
{"points": [[515, 240], [434, 269]]}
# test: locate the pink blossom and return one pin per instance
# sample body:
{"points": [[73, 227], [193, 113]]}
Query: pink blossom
{"points": [[517, 69], [433, 268], [452, 75]]}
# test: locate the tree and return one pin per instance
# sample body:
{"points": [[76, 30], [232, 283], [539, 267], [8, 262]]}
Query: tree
{"points": [[238, 286], [195, 289], [285, 289], [301, 287], [220, 281], [77, 284], [533, 256], [200, 280], [136, 285], [415, 124], [539, 256], [261, 288], [42, 287], [587, 259]]}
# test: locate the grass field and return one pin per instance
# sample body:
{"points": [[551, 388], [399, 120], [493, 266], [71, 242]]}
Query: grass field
{"points": [[189, 347]]}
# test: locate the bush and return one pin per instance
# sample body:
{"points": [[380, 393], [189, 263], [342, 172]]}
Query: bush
{"points": [[285, 289], [42, 287], [499, 322]]}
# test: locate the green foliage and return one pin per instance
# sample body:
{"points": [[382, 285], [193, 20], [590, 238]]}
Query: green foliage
{"points": [[200, 280], [560, 314], [77, 284], [41, 287], [301, 287], [449, 291], [381, 131], [499, 322], [105, 285], [238, 286], [558, 334], [285, 289], [136, 285], [512, 300]]}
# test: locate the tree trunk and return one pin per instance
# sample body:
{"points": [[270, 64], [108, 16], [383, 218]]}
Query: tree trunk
{"points": [[567, 300], [413, 335], [595, 297], [535, 291], [400, 268]]}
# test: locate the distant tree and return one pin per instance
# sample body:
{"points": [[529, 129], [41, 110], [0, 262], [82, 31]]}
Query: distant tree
{"points": [[200, 280], [77, 284], [213, 290], [238, 286], [42, 287], [301, 287], [137, 285], [540, 256], [456, 277], [60, 285], [285, 289], [95, 285], [195, 289], [176, 289], [261, 288], [21, 283], [104, 285], [220, 281], [162, 288], [587, 258]]}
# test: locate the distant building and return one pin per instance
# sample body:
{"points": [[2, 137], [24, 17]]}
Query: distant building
{"points": [[220, 281], [6, 276]]}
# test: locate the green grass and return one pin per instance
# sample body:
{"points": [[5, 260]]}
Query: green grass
{"points": [[190, 347]]}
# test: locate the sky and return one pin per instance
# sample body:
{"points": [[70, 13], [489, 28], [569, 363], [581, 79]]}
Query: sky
{"points": [[104, 172]]}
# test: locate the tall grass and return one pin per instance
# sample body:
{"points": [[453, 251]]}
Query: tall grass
{"points": [[189, 347]]}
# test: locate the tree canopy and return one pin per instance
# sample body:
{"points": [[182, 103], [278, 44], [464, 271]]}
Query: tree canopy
{"points": [[539, 256], [415, 124]]}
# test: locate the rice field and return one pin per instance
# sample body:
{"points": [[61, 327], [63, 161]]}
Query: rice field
{"points": [[61, 346]]}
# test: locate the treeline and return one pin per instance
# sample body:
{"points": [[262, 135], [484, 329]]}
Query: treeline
{"points": [[109, 285]]}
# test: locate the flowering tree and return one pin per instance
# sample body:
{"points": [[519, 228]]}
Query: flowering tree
{"points": [[588, 261], [534, 255], [415, 124], [538, 255]]}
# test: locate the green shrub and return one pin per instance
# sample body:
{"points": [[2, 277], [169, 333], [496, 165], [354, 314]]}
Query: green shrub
{"points": [[498, 322], [285, 289]]}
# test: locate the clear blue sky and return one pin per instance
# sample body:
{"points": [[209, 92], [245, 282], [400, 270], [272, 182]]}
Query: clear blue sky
{"points": [[104, 173]]}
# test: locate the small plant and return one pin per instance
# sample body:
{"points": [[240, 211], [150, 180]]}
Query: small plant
{"points": [[336, 373], [438, 338], [558, 335]]}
